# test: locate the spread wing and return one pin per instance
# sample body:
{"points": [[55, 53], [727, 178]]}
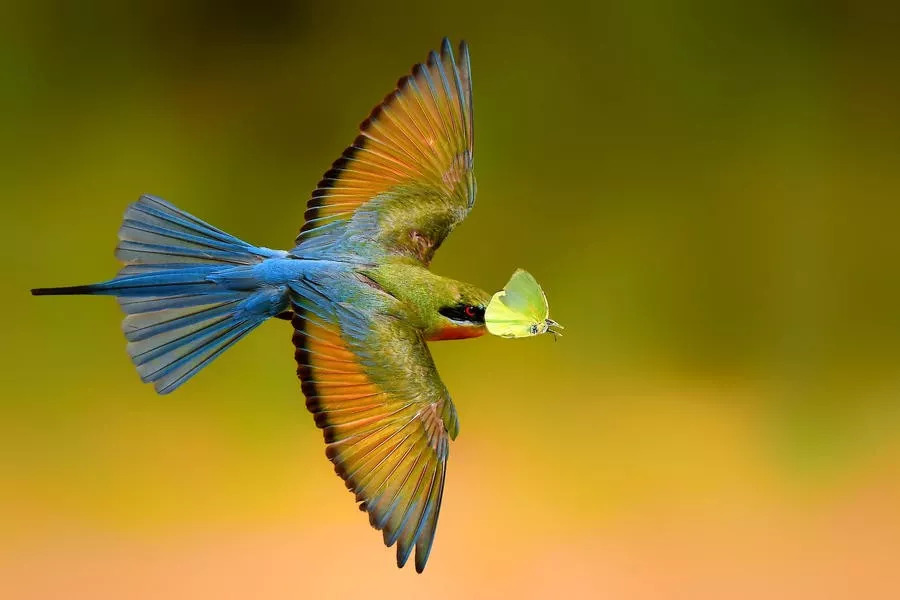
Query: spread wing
{"points": [[407, 179], [386, 417]]}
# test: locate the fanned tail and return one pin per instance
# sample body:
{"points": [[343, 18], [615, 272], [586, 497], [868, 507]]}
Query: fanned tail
{"points": [[189, 291]]}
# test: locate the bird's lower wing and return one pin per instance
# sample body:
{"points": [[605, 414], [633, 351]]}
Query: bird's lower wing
{"points": [[386, 417]]}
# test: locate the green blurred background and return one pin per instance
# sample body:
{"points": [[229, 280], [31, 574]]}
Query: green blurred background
{"points": [[707, 192]]}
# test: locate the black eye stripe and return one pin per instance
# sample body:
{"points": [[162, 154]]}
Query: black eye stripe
{"points": [[458, 313]]}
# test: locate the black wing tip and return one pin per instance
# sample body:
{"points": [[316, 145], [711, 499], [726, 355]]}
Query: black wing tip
{"points": [[329, 434], [419, 567], [420, 561], [373, 116], [301, 354], [464, 57], [402, 556], [462, 48]]}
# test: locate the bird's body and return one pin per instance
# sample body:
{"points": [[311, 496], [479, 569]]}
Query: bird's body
{"points": [[356, 287]]}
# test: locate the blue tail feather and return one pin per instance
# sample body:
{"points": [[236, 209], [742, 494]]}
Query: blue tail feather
{"points": [[171, 357], [189, 291], [155, 231], [136, 305], [141, 326]]}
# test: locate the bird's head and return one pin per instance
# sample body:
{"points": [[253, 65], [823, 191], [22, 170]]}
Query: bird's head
{"points": [[459, 309], [442, 308]]}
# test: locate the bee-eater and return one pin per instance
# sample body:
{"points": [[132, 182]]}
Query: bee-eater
{"points": [[356, 287]]}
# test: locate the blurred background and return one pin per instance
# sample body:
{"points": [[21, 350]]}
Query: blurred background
{"points": [[707, 192]]}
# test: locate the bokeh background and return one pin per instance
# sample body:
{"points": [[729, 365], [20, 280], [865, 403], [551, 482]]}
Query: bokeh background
{"points": [[707, 191]]}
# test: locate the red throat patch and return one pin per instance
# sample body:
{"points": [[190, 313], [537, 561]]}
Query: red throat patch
{"points": [[457, 332]]}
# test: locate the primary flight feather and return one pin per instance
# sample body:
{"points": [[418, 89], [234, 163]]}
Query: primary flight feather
{"points": [[356, 287]]}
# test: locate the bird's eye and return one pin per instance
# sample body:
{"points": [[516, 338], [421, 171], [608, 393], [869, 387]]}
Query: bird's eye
{"points": [[463, 313]]}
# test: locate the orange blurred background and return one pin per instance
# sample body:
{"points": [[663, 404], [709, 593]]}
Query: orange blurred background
{"points": [[706, 191]]}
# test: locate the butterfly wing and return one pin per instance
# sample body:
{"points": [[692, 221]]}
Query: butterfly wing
{"points": [[502, 320], [519, 310], [523, 294]]}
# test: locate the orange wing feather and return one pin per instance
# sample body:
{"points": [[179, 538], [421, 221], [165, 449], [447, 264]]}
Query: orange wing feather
{"points": [[418, 142], [389, 450]]}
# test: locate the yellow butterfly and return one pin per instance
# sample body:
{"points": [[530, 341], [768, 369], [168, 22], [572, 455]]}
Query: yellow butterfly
{"points": [[520, 309]]}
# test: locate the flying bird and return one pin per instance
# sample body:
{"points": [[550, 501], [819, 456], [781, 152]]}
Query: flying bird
{"points": [[356, 287]]}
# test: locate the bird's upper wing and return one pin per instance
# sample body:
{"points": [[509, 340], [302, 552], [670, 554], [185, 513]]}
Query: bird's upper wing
{"points": [[386, 416], [407, 179]]}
